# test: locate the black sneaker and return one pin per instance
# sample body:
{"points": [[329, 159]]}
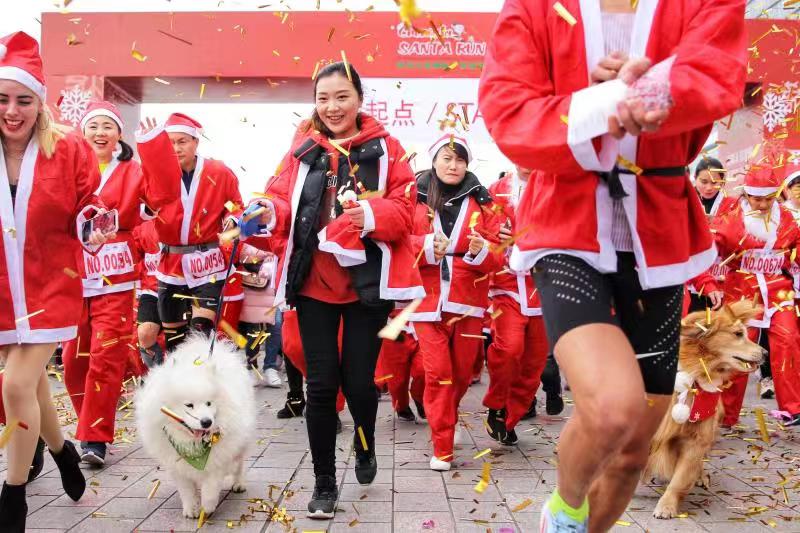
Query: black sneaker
{"points": [[407, 415], [38, 461], [420, 410], [531, 412], [366, 466], [94, 453], [496, 424], [795, 421], [554, 403], [292, 408], [510, 439], [323, 502]]}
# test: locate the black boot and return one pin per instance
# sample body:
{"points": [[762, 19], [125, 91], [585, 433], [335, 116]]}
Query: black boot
{"points": [[420, 409], [67, 461], [531, 412], [406, 414], [38, 461], [366, 466], [496, 424], [13, 509], [294, 407]]}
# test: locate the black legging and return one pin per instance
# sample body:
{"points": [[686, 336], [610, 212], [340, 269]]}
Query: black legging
{"points": [[326, 370], [295, 379]]}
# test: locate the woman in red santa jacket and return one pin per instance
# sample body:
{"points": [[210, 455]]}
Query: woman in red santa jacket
{"points": [[571, 93], [340, 212], [759, 240], [47, 188], [95, 363], [193, 195], [452, 223], [518, 353]]}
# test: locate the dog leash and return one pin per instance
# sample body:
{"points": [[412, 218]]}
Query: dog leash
{"points": [[220, 302]]}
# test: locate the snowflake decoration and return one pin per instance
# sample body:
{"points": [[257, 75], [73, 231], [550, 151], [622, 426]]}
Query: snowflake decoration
{"points": [[775, 108], [73, 104]]}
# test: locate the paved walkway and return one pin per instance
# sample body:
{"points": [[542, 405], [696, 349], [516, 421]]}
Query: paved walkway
{"points": [[754, 485]]}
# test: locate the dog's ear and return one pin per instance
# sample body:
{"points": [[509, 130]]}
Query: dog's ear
{"points": [[695, 326]]}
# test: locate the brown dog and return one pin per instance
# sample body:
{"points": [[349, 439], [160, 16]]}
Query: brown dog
{"points": [[710, 355]]}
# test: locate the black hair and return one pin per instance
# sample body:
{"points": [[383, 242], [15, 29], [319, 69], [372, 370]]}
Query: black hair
{"points": [[502, 175], [127, 152], [710, 164], [435, 192], [327, 71]]}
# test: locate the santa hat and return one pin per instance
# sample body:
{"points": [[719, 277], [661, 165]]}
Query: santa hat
{"points": [[761, 182], [180, 123], [342, 239], [793, 176], [20, 61], [102, 109], [447, 140]]}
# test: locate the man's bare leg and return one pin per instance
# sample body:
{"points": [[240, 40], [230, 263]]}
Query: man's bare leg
{"points": [[613, 489], [607, 387]]}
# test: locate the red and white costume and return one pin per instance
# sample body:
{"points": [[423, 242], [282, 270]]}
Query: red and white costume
{"points": [[40, 294], [146, 242], [759, 253], [535, 95], [95, 362], [518, 353], [402, 360], [448, 322], [187, 218]]}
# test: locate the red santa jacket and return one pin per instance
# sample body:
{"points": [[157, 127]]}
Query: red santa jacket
{"points": [[115, 267], [459, 282], [40, 290], [187, 218], [535, 92], [518, 285], [145, 239], [759, 256], [388, 211]]}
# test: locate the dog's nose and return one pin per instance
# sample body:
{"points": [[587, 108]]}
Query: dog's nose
{"points": [[206, 423]]}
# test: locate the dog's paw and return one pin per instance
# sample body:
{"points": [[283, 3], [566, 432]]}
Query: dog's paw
{"points": [[704, 481], [191, 511], [665, 511], [239, 488]]}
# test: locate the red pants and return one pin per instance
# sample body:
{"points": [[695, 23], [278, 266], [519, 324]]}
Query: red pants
{"points": [[448, 358], [95, 363], [785, 364], [293, 348], [517, 358], [401, 359]]}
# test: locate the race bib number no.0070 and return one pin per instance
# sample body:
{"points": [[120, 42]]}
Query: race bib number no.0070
{"points": [[198, 267], [112, 259]]}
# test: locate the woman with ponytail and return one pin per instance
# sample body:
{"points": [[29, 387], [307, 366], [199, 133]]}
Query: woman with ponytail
{"points": [[108, 278]]}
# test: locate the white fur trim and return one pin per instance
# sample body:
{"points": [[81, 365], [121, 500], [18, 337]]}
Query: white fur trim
{"points": [[444, 141], [683, 381], [430, 257], [344, 257], [188, 200], [369, 217], [142, 138], [478, 259], [102, 113], [25, 78], [188, 130], [760, 191], [3, 51], [793, 176]]}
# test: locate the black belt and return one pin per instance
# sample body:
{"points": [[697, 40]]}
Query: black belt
{"points": [[190, 248], [615, 189]]}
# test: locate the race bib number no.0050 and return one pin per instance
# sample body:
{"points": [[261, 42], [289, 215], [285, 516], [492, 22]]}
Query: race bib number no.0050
{"points": [[151, 262], [198, 267], [112, 259]]}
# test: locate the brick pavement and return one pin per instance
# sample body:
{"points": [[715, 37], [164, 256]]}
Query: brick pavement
{"points": [[746, 493]]}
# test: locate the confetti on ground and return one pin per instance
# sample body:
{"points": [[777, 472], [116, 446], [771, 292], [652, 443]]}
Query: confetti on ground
{"points": [[153, 490]]}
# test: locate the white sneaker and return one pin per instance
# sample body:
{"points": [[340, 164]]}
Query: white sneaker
{"points": [[439, 465], [272, 378]]}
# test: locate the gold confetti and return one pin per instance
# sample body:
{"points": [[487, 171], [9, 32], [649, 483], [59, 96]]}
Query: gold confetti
{"points": [[339, 147], [381, 379], [202, 518], [96, 422], [564, 14], [485, 478], [30, 315], [346, 66], [363, 439], [202, 90], [408, 11], [762, 423], [137, 55], [522, 505], [446, 382], [5, 436], [473, 219], [392, 330], [708, 316], [623, 523], [234, 335], [154, 489], [565, 119], [451, 66], [71, 273], [481, 454]]}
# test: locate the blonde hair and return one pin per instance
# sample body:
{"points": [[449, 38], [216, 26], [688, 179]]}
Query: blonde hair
{"points": [[48, 131]]}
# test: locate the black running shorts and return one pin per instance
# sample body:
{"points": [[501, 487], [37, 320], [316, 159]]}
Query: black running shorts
{"points": [[173, 309], [148, 309], [574, 294]]}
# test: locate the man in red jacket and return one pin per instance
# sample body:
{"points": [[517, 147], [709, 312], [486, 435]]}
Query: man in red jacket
{"points": [[613, 219], [192, 195]]}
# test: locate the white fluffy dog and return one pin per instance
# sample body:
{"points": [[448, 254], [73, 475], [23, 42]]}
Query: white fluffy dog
{"points": [[196, 416]]}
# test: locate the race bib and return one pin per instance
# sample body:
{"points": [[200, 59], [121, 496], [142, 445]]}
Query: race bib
{"points": [[151, 262], [198, 267], [113, 259], [718, 270], [762, 262]]}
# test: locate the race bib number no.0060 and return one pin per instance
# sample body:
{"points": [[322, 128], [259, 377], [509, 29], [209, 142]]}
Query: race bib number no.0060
{"points": [[112, 259], [198, 267]]}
